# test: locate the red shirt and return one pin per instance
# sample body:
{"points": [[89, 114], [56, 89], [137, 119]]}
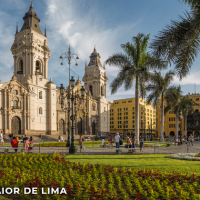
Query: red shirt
{"points": [[14, 143]]}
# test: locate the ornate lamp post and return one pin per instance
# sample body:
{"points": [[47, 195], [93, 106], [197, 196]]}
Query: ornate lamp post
{"points": [[72, 148], [180, 118], [69, 56]]}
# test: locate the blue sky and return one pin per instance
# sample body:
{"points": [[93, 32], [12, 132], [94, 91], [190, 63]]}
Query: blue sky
{"points": [[85, 23]]}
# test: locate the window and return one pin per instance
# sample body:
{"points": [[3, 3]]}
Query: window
{"points": [[196, 110], [93, 108], [104, 109], [21, 66], [90, 89], [129, 101], [40, 111], [197, 99], [133, 113], [126, 126], [133, 117], [171, 112], [40, 95], [123, 101], [126, 109], [133, 126], [15, 104], [133, 108], [133, 121]]}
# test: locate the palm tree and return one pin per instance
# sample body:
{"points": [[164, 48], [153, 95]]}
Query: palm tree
{"points": [[173, 98], [158, 86], [134, 64], [187, 108], [179, 104], [179, 42]]}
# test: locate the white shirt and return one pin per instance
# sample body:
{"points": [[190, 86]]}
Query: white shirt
{"points": [[103, 141], [1, 136], [117, 138]]}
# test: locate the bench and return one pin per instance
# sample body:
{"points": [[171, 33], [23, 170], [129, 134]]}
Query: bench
{"points": [[6, 149], [133, 149], [104, 145]]}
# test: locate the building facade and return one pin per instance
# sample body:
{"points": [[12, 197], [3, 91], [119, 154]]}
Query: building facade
{"points": [[193, 120], [31, 103], [122, 116]]}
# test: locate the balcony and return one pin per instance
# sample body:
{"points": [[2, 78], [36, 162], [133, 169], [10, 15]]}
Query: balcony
{"points": [[20, 72]]}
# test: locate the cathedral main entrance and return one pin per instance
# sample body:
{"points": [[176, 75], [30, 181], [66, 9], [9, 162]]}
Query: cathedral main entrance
{"points": [[61, 127], [79, 126], [16, 126]]}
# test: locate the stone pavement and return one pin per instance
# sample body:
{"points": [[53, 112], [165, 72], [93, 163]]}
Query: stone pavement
{"points": [[112, 151]]}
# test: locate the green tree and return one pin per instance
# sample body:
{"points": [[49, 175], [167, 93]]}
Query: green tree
{"points": [[179, 104], [187, 108], [173, 98], [157, 88], [134, 65], [179, 42]]}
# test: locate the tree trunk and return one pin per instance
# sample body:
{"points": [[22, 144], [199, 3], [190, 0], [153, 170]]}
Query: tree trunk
{"points": [[176, 125], [137, 110], [162, 120], [185, 126]]}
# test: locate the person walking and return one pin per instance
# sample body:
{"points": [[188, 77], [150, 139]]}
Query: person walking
{"points": [[40, 137], [141, 146], [14, 144], [30, 144], [117, 137], [26, 143], [81, 142], [1, 138]]}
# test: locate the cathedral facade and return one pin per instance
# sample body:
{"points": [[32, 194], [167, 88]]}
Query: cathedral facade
{"points": [[31, 103]]}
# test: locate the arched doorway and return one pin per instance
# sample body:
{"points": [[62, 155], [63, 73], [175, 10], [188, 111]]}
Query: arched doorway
{"points": [[79, 126], [61, 127], [188, 133], [16, 126], [93, 128], [172, 133], [196, 133]]}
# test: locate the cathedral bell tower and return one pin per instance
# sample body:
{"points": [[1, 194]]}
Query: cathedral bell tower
{"points": [[95, 78], [30, 51]]}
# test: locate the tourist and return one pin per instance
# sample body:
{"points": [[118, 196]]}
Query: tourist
{"points": [[81, 142], [191, 139], [117, 137], [134, 140], [61, 138], [110, 142], [1, 138], [40, 137], [30, 144], [103, 142], [26, 143], [141, 146], [14, 144]]}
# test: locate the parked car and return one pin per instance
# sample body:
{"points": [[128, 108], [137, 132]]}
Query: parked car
{"points": [[99, 137]]}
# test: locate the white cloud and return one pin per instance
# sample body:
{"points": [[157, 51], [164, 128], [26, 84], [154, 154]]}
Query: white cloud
{"points": [[190, 79]]}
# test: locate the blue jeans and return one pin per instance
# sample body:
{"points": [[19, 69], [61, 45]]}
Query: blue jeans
{"points": [[117, 146], [133, 145]]}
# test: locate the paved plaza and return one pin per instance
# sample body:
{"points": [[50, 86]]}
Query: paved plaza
{"points": [[97, 150]]}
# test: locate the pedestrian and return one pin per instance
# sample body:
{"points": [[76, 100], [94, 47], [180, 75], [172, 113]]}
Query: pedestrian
{"points": [[14, 144], [26, 143], [81, 142], [30, 144], [40, 137], [110, 142], [103, 142], [141, 146], [61, 139], [1, 138], [134, 141], [117, 137]]}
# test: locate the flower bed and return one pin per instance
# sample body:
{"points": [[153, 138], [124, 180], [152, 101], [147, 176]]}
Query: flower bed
{"points": [[92, 181], [185, 156]]}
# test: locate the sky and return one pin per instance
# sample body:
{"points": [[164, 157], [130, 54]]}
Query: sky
{"points": [[82, 24]]}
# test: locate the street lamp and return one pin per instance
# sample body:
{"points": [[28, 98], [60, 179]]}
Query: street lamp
{"points": [[72, 148], [69, 56], [180, 119], [124, 128]]}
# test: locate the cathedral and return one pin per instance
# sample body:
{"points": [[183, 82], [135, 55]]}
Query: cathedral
{"points": [[30, 103]]}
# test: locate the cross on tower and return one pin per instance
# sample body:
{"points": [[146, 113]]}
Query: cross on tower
{"points": [[31, 2]]}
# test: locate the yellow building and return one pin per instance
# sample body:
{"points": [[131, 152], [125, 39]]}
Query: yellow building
{"points": [[122, 116], [170, 119]]}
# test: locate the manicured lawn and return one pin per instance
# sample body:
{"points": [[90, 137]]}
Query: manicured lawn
{"points": [[149, 162]]}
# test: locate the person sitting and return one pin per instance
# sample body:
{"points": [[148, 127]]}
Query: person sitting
{"points": [[61, 139], [110, 142], [103, 142], [26, 143], [14, 144], [30, 144]]}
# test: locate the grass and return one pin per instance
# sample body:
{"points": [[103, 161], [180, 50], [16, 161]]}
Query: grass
{"points": [[149, 162]]}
